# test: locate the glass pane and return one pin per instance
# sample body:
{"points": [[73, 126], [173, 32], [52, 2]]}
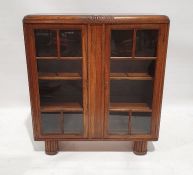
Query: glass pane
{"points": [[70, 43], [133, 91], [45, 41], [57, 66], [73, 123], [118, 122], [50, 122], [133, 66], [146, 43], [121, 43], [60, 91], [141, 123]]}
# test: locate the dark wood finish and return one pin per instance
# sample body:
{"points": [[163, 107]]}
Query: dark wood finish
{"points": [[51, 147], [96, 77], [140, 147]]}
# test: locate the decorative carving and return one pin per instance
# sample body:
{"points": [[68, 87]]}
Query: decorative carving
{"points": [[100, 19], [85, 19]]}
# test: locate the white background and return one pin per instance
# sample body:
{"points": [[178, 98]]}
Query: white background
{"points": [[172, 154]]}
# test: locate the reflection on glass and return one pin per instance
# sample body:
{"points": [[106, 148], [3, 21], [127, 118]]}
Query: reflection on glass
{"points": [[134, 91], [45, 43], [118, 122], [73, 123], [60, 91], [59, 66], [146, 43], [121, 43], [70, 43], [141, 123], [50, 122]]}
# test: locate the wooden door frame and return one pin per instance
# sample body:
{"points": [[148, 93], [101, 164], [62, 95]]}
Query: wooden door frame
{"points": [[158, 80], [33, 78]]}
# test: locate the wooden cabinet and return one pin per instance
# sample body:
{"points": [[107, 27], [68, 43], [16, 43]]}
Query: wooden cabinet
{"points": [[96, 77]]}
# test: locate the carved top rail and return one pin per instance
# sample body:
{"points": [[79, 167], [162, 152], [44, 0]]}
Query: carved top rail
{"points": [[92, 19]]}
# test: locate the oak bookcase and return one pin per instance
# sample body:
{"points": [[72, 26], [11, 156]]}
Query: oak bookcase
{"points": [[96, 77]]}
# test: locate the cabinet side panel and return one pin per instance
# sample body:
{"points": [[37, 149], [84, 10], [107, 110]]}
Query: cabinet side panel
{"points": [[32, 79], [95, 40], [159, 79]]}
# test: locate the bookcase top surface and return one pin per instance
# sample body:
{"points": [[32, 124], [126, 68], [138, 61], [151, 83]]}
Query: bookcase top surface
{"points": [[95, 18]]}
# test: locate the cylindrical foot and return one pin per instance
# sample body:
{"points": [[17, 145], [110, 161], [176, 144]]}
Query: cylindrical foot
{"points": [[140, 147], [51, 147]]}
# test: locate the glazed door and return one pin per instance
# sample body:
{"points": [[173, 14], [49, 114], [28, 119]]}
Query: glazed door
{"points": [[131, 57], [61, 66]]}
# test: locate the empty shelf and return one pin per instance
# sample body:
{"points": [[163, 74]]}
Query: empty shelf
{"points": [[130, 76], [134, 107], [59, 76], [58, 107]]}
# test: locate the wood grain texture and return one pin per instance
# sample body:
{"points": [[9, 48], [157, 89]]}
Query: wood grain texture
{"points": [[64, 107], [95, 40], [130, 76], [85, 79], [59, 76], [140, 147], [134, 107], [96, 76], [51, 147], [159, 79], [85, 19], [32, 79]]}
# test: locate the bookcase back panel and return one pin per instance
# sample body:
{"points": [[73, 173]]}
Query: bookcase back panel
{"points": [[129, 123], [60, 66], [45, 41], [70, 43], [121, 42], [62, 123]]}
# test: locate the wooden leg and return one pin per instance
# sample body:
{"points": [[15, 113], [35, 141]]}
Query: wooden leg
{"points": [[51, 147], [140, 147]]}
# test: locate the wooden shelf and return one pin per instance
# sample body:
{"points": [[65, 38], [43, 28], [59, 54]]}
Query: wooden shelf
{"points": [[133, 58], [59, 76], [134, 107], [58, 58], [130, 76], [58, 107]]}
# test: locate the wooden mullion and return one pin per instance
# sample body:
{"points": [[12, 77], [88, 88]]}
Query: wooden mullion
{"points": [[58, 43], [62, 122], [129, 122], [134, 43]]}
